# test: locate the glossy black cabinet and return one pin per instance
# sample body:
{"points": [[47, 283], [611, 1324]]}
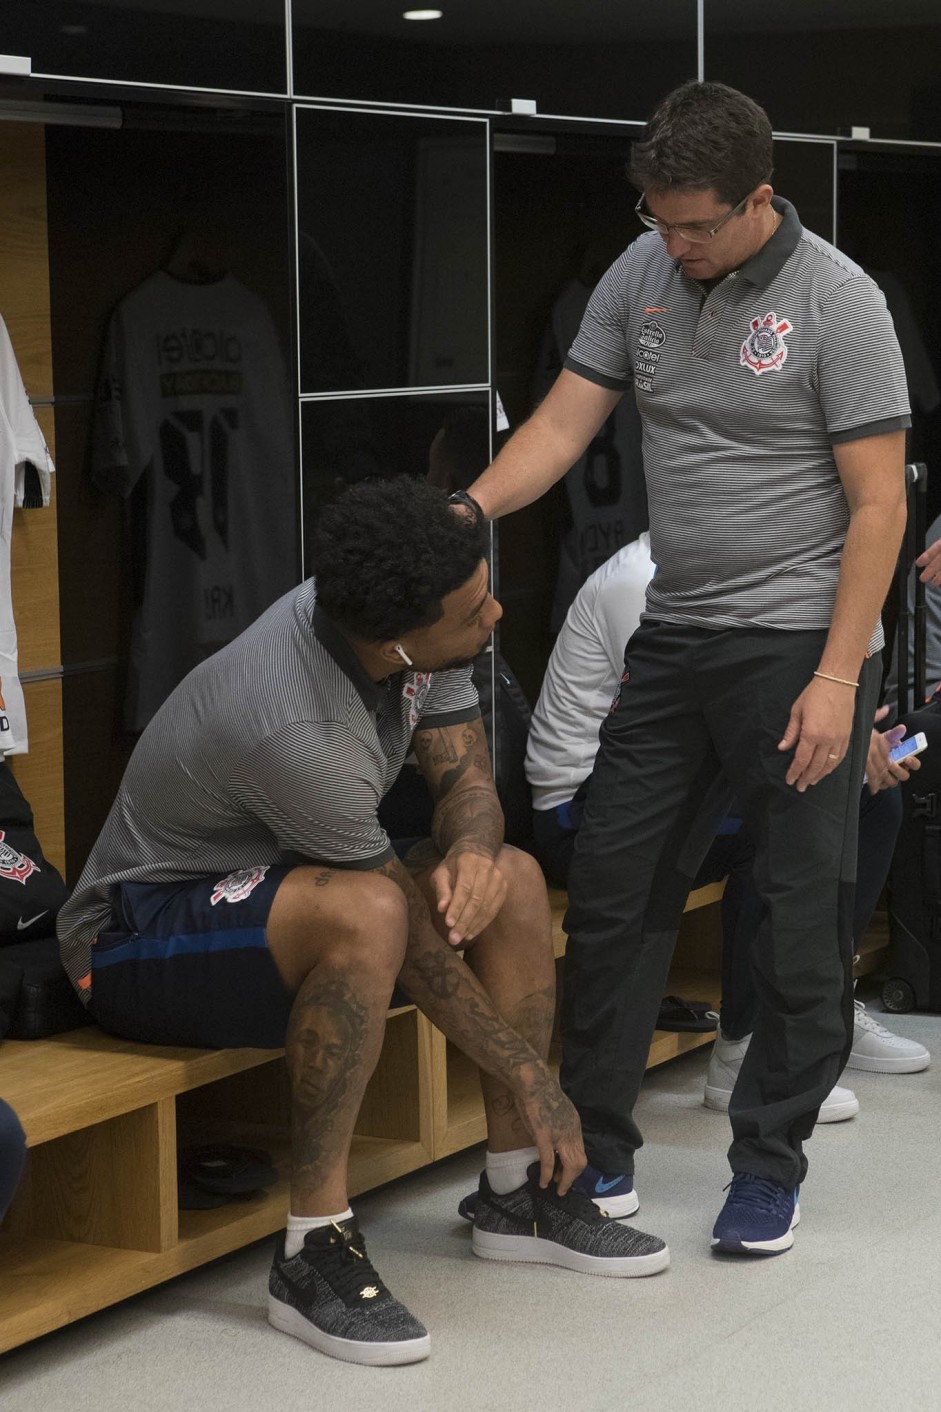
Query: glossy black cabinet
{"points": [[602, 58], [392, 250], [218, 44]]}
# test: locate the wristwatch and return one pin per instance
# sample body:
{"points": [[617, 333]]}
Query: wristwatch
{"points": [[461, 497]]}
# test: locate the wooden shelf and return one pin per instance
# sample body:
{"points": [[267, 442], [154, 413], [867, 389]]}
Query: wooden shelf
{"points": [[96, 1219]]}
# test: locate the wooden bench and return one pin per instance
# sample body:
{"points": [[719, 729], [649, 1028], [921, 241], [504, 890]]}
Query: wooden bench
{"points": [[96, 1218]]}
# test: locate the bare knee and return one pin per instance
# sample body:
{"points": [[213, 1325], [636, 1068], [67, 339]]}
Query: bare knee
{"points": [[526, 884], [355, 922]]}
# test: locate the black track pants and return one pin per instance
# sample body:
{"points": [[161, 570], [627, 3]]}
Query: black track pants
{"points": [[699, 718]]}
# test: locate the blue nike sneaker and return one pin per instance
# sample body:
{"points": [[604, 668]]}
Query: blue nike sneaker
{"points": [[614, 1195], [758, 1217]]}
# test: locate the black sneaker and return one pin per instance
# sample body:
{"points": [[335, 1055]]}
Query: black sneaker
{"points": [[548, 1229], [615, 1196], [329, 1295]]}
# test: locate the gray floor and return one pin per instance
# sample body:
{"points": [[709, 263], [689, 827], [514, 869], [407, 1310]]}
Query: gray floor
{"points": [[850, 1318]]}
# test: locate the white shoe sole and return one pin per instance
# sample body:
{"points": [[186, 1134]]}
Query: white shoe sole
{"points": [[901, 1065], [291, 1321], [718, 1100], [765, 1247], [618, 1206], [838, 1112], [535, 1250]]}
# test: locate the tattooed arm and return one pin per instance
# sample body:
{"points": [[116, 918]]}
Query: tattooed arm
{"points": [[466, 828], [445, 988]]}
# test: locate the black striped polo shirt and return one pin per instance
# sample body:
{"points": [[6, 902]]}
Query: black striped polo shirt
{"points": [[277, 749], [743, 391]]}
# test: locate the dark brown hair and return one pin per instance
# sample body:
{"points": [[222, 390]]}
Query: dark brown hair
{"points": [[704, 136]]}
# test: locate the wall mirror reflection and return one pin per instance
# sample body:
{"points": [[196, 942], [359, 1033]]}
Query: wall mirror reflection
{"points": [[392, 250]]}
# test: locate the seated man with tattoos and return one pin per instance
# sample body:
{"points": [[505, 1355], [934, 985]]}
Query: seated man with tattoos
{"points": [[242, 892]]}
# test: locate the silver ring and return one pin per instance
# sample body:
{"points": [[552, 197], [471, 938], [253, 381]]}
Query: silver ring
{"points": [[833, 757]]}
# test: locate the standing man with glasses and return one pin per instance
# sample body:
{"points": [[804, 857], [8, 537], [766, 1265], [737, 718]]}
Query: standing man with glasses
{"points": [[772, 395]]}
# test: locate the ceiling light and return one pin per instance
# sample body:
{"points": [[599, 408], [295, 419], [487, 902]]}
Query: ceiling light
{"points": [[422, 14]]}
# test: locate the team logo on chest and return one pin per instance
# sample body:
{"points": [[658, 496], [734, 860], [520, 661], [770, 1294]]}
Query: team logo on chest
{"points": [[416, 688], [764, 348], [14, 865], [237, 886]]}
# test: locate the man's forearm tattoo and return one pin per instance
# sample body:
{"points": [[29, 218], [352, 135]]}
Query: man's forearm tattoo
{"points": [[471, 817], [442, 985]]}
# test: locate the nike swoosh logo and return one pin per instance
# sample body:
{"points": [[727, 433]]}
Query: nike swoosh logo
{"points": [[602, 1186], [21, 925]]}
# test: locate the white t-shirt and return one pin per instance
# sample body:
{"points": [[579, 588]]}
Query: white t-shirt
{"points": [[583, 671], [21, 443], [194, 395]]}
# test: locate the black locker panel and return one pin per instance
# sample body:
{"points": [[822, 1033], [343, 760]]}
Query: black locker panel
{"points": [[221, 44], [392, 250], [604, 58], [824, 68]]}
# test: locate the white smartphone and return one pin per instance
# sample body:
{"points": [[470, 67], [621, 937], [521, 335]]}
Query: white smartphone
{"points": [[913, 745]]}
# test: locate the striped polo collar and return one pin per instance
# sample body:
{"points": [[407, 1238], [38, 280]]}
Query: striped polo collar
{"points": [[329, 636], [767, 263]]}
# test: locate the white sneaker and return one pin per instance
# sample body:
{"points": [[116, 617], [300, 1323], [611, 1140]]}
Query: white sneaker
{"points": [[726, 1060], [880, 1051]]}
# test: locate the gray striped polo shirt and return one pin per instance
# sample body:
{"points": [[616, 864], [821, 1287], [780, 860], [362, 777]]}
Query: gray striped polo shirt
{"points": [[743, 390], [277, 749]]}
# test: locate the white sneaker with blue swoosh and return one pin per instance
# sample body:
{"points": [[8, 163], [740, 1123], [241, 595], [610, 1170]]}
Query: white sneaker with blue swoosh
{"points": [[613, 1193]]}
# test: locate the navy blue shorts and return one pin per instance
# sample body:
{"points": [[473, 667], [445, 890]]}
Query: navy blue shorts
{"points": [[188, 963]]}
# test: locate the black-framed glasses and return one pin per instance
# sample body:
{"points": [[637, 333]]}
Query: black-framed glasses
{"points": [[696, 235]]}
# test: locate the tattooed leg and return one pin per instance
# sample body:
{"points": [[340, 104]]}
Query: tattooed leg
{"points": [[514, 963], [338, 939], [333, 1043]]}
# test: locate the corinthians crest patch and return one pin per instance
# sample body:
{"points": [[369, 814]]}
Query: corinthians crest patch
{"points": [[13, 864], [237, 886], [764, 348]]}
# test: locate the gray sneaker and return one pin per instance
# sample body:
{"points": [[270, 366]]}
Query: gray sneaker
{"points": [[544, 1228], [329, 1295]]}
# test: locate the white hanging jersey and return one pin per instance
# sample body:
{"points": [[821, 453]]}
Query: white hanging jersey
{"points": [[194, 395], [21, 444]]}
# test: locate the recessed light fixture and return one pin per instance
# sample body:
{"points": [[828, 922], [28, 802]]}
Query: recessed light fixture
{"points": [[422, 14]]}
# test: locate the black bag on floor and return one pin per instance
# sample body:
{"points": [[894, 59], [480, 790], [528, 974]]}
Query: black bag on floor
{"points": [[913, 966]]}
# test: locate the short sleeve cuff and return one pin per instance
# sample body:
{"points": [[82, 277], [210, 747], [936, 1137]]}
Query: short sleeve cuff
{"points": [[599, 379], [879, 428]]}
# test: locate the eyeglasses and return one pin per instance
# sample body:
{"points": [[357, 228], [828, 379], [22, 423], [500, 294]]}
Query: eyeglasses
{"points": [[696, 235]]}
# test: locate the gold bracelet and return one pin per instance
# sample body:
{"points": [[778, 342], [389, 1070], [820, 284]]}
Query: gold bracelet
{"points": [[842, 680]]}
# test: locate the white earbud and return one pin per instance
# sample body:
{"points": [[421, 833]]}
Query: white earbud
{"points": [[403, 654]]}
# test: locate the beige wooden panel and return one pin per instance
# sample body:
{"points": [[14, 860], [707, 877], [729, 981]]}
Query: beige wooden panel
{"points": [[35, 576], [24, 264], [110, 1184], [39, 773]]}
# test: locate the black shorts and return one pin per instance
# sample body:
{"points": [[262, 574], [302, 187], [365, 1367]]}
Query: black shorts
{"points": [[188, 963]]}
